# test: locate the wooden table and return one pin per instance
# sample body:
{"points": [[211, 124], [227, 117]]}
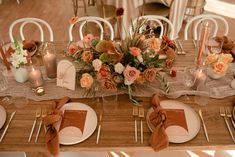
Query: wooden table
{"points": [[118, 126]]}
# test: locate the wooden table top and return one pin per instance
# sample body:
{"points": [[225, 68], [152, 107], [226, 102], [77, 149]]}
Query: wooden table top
{"points": [[118, 125]]}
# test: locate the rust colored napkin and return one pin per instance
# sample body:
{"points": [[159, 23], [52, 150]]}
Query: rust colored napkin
{"points": [[158, 139], [52, 138], [161, 119], [74, 118]]}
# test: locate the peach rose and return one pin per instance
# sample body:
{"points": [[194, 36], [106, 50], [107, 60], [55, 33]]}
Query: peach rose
{"points": [[72, 49], [108, 85], [211, 58], [154, 44], [150, 74], [142, 38], [87, 56], [226, 58], [220, 68], [131, 74], [86, 81], [135, 51], [88, 39]]}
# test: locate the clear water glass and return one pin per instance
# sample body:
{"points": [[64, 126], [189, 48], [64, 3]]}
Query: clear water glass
{"points": [[214, 45], [203, 95], [110, 102], [189, 77]]}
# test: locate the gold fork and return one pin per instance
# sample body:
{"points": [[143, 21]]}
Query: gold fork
{"points": [[229, 115], [223, 114], [135, 114], [37, 115], [43, 115], [141, 116]]}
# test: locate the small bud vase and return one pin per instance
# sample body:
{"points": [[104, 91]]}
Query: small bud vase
{"points": [[20, 74]]}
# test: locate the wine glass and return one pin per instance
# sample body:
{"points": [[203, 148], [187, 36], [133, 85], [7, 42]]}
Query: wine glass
{"points": [[189, 78], [214, 45]]}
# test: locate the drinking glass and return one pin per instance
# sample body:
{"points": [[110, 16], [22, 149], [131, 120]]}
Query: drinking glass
{"points": [[19, 97], [189, 78], [3, 82], [214, 45], [110, 103], [202, 96]]}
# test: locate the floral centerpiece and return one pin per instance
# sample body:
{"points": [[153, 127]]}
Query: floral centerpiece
{"points": [[218, 64], [121, 65]]}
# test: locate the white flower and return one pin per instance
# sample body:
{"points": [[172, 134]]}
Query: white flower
{"points": [[97, 64], [18, 58], [128, 82], [119, 68], [140, 58]]}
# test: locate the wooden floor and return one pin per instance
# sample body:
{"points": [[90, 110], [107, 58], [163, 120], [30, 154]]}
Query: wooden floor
{"points": [[56, 13]]}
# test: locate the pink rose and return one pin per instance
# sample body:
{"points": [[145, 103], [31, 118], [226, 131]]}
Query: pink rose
{"points": [[73, 48], [87, 56], [88, 39], [135, 51], [131, 73], [86, 81]]}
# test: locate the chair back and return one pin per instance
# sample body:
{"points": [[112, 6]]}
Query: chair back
{"points": [[34, 21], [96, 20], [214, 19], [157, 19]]}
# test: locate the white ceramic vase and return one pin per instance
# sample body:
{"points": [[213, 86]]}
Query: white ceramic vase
{"points": [[20, 74], [212, 74]]}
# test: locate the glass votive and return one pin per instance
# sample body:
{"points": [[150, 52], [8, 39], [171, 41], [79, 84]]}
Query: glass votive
{"points": [[49, 60], [35, 77]]}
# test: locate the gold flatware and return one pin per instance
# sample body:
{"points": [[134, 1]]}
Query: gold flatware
{"points": [[204, 125], [99, 127], [5, 130], [141, 116], [229, 115], [135, 114], [223, 114], [43, 115], [37, 115]]}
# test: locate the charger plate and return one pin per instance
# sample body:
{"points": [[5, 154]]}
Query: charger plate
{"points": [[72, 135], [177, 134], [3, 116]]}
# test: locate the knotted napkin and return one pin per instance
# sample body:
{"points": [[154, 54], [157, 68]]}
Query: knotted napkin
{"points": [[158, 139], [52, 138]]}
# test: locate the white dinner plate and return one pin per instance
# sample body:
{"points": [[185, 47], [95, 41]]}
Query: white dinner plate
{"points": [[72, 135], [3, 116], [177, 134]]}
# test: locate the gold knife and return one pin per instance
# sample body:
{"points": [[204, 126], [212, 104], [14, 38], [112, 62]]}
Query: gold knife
{"points": [[203, 124], [5, 130]]}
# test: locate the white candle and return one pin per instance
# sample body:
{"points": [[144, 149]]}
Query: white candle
{"points": [[49, 60], [35, 77]]}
